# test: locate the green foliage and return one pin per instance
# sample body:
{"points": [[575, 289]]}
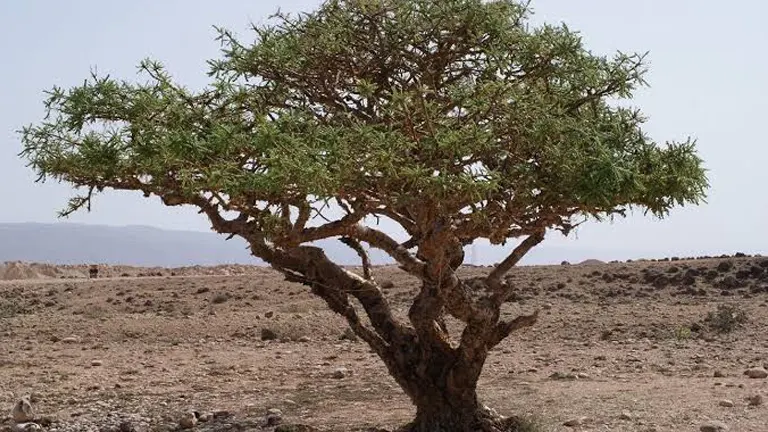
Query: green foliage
{"points": [[418, 110], [726, 318], [683, 333]]}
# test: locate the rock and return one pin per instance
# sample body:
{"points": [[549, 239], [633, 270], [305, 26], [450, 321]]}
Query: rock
{"points": [[295, 428], [22, 411], [719, 374], [70, 340], [713, 426], [274, 417], [267, 334], [305, 339], [26, 427], [755, 400], [756, 372], [269, 314], [205, 418], [188, 420], [349, 335], [726, 403], [575, 422], [725, 266], [96, 363], [625, 415], [340, 372]]}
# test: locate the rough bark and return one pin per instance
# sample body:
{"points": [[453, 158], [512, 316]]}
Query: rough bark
{"points": [[444, 390]]}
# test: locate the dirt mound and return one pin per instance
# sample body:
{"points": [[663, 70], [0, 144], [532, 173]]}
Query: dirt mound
{"points": [[591, 262], [20, 270]]}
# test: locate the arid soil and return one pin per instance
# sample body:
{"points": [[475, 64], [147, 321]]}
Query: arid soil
{"points": [[618, 347]]}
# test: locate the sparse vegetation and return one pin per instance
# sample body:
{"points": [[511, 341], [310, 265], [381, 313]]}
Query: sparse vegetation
{"points": [[726, 318]]}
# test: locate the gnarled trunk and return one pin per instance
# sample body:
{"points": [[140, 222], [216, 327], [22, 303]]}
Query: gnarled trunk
{"points": [[443, 387]]}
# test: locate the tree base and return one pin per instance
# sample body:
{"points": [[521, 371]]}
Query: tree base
{"points": [[483, 420]]}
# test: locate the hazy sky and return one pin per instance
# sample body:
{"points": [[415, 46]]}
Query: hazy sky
{"points": [[709, 79]]}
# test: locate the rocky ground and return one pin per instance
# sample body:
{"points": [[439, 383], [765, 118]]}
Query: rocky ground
{"points": [[663, 346]]}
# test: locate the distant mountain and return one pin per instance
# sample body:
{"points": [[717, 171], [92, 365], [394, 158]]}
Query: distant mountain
{"points": [[69, 243]]}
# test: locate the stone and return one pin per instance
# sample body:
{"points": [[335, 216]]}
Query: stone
{"points": [[713, 426], [625, 415], [340, 372], [349, 335], [295, 428], [26, 427], [22, 411], [756, 372], [188, 420], [269, 314], [126, 426], [96, 363], [727, 403], [575, 422], [305, 339], [755, 400], [267, 334], [70, 340], [274, 417], [719, 374]]}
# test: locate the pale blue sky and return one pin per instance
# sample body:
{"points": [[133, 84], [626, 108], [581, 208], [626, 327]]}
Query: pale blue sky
{"points": [[709, 79]]}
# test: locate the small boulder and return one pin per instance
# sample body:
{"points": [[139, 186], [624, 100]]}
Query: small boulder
{"points": [[188, 420], [22, 411], [713, 426], [755, 400], [340, 373], [268, 335], [26, 427], [727, 403], [349, 335], [274, 417], [756, 372], [578, 421]]}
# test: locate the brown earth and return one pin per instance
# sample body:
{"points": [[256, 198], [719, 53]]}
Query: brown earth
{"points": [[625, 345]]}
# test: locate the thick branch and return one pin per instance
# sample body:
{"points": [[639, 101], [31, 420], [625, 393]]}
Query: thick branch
{"points": [[382, 241], [337, 283], [338, 302], [505, 328], [494, 279]]}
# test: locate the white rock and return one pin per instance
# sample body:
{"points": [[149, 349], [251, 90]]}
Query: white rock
{"points": [[27, 427]]}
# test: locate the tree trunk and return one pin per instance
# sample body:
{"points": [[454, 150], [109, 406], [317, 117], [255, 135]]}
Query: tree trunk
{"points": [[444, 390]]}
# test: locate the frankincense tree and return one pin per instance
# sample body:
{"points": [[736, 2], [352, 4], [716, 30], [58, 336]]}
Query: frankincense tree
{"points": [[455, 119]]}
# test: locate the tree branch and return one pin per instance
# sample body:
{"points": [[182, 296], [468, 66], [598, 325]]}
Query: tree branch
{"points": [[494, 278], [505, 328], [357, 247], [382, 241]]}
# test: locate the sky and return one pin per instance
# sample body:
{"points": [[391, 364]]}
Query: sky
{"points": [[708, 79]]}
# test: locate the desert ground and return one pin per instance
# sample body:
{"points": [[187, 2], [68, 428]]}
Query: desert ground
{"points": [[618, 347]]}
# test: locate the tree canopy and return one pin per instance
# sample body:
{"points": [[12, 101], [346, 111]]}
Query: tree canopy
{"points": [[456, 119], [404, 108]]}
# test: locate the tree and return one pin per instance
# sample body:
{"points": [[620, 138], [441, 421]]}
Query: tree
{"points": [[455, 119]]}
